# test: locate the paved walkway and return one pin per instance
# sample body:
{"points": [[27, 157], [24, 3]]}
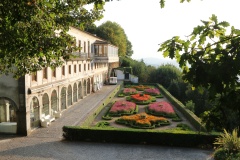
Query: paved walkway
{"points": [[48, 143]]}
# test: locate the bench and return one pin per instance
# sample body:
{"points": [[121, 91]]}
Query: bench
{"points": [[57, 114], [46, 120]]}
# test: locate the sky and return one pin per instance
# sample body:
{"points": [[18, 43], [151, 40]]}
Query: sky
{"points": [[147, 25]]}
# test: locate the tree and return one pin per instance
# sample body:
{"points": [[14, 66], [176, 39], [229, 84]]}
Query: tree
{"points": [[162, 2], [165, 74], [28, 32], [115, 34], [129, 51], [210, 58]]}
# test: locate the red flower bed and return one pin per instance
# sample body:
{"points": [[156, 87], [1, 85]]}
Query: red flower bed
{"points": [[162, 107], [152, 91], [122, 107], [141, 97]]}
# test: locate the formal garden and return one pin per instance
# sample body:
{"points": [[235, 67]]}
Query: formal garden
{"points": [[141, 107], [149, 114], [145, 114]]}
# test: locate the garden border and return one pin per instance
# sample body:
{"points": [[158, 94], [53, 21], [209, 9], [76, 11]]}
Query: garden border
{"points": [[139, 136]]}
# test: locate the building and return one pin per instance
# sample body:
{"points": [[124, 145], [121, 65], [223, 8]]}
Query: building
{"points": [[46, 93]]}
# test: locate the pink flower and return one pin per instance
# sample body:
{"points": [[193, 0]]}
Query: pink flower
{"points": [[162, 107], [154, 91], [122, 106], [129, 90]]}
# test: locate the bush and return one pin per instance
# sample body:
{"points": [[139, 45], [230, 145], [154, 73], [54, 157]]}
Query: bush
{"points": [[220, 154], [228, 146], [229, 141], [184, 126]]}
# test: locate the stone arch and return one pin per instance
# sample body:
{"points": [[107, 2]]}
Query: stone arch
{"points": [[34, 113], [80, 90], [75, 92], [45, 103], [88, 86], [84, 88], [69, 95], [8, 110], [54, 101], [63, 98]]}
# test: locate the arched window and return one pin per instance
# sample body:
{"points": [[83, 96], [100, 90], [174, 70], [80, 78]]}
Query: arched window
{"points": [[54, 102], [75, 92], [7, 110], [45, 108], [80, 90], [63, 98], [69, 95], [34, 113]]}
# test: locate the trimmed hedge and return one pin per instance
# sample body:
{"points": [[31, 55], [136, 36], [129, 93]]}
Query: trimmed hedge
{"points": [[191, 117], [139, 136]]}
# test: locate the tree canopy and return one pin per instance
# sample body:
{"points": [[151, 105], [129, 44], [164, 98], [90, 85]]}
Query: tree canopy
{"points": [[210, 58], [28, 32], [115, 34]]}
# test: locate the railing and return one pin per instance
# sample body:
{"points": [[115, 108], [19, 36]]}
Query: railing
{"points": [[83, 55]]}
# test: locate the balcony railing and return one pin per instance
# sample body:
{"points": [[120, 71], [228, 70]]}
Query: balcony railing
{"points": [[82, 55]]}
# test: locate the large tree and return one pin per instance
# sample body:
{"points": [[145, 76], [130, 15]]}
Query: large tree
{"points": [[28, 32], [115, 34], [210, 58]]}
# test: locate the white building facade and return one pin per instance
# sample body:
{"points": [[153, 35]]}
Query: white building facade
{"points": [[25, 101]]}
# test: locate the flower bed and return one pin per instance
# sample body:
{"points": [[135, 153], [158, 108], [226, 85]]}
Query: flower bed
{"points": [[143, 120], [152, 92], [122, 108], [141, 98], [162, 108], [141, 87], [129, 91]]}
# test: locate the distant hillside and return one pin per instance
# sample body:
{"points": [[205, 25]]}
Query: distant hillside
{"points": [[159, 61]]}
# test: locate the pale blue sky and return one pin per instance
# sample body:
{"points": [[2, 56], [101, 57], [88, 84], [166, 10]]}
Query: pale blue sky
{"points": [[147, 25]]}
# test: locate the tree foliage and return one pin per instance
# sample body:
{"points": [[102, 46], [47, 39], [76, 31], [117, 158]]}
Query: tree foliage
{"points": [[115, 34], [210, 58], [28, 32], [162, 2]]}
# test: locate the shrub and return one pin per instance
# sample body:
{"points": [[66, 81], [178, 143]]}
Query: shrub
{"points": [[176, 119], [103, 124], [228, 144], [220, 154], [184, 126]]}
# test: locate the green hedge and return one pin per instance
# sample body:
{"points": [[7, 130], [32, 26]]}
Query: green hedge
{"points": [[102, 104], [138, 136], [191, 117]]}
